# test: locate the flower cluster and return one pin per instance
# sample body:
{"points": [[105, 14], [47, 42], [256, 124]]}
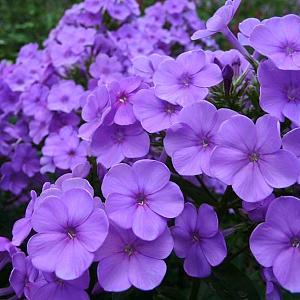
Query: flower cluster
{"points": [[134, 138]]}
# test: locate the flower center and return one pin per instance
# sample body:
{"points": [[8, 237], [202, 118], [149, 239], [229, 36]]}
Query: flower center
{"points": [[129, 250], [254, 157], [195, 237], [205, 143], [123, 98], [71, 233], [295, 242], [72, 153], [64, 98], [185, 80], [141, 199], [292, 94], [119, 136], [289, 50]]}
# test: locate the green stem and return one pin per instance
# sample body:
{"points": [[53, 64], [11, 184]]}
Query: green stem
{"points": [[209, 193]]}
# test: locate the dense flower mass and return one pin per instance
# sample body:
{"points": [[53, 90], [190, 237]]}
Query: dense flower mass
{"points": [[145, 158]]}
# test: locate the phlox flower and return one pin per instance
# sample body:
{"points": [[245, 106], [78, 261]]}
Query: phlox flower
{"points": [[186, 80], [248, 157], [141, 197], [198, 240], [275, 243], [125, 260]]}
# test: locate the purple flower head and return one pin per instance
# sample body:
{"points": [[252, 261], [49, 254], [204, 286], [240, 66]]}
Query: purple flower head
{"points": [[125, 260], [94, 6], [23, 275], [272, 288], [141, 197], [111, 144], [25, 159], [256, 211], [279, 91], [105, 68], [34, 100], [278, 39], [187, 79], [219, 21], [7, 250], [11, 180], [64, 96], [70, 228], [145, 66], [65, 148], [94, 111], [249, 158], [53, 288], [275, 243], [291, 142], [153, 113], [191, 142], [246, 28], [120, 10], [198, 240], [121, 94]]}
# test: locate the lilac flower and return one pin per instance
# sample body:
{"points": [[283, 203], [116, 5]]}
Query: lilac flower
{"points": [[191, 142], [278, 39], [275, 242], [219, 21], [125, 260], [105, 68], [153, 113], [65, 148], [256, 211], [279, 91], [111, 144], [249, 158], [121, 94], [198, 240], [54, 288], [94, 6], [291, 142], [186, 79], [23, 275], [141, 197], [69, 230], [96, 108], [25, 159], [64, 96]]}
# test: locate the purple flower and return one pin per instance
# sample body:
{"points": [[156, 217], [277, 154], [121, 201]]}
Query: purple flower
{"points": [[153, 113], [278, 39], [198, 240], [120, 10], [279, 91], [54, 288], [125, 260], [111, 144], [291, 142], [249, 158], [65, 148], [70, 228], [94, 6], [64, 96], [141, 197], [121, 94], [105, 68], [23, 275], [272, 288], [191, 142], [246, 28], [94, 111], [219, 21], [275, 243], [25, 159], [256, 211], [186, 79]]}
